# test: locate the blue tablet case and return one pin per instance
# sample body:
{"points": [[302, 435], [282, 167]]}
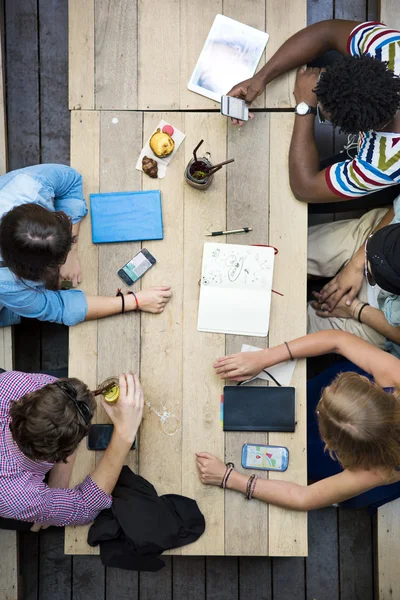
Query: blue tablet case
{"points": [[126, 216]]}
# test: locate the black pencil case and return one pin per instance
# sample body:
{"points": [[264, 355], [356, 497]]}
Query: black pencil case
{"points": [[264, 408]]}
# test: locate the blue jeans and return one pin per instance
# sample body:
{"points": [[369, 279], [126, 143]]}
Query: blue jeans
{"points": [[320, 465]]}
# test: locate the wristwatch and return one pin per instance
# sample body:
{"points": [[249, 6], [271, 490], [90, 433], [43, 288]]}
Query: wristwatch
{"points": [[302, 108]]}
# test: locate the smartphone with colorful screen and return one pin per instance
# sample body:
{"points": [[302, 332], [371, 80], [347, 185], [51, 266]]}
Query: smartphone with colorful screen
{"points": [[265, 458], [137, 267]]}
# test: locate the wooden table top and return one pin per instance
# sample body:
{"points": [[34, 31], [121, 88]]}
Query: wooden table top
{"points": [[173, 359]]}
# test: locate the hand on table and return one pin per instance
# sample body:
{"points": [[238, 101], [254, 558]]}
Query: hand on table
{"points": [[248, 91], [154, 299], [71, 269], [342, 309], [344, 286], [241, 366], [211, 469], [126, 414], [306, 80], [36, 527]]}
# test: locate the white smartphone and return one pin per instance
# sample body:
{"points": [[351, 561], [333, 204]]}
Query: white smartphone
{"points": [[234, 108], [265, 458]]}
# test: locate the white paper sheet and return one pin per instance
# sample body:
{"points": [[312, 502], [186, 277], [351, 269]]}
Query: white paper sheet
{"points": [[282, 372], [235, 292], [178, 137]]}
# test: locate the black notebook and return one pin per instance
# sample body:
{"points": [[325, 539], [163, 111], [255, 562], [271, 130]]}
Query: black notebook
{"points": [[250, 408]]}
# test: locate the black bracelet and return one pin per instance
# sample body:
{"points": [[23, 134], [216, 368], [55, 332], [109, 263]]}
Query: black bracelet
{"points": [[119, 293], [290, 354], [360, 311]]}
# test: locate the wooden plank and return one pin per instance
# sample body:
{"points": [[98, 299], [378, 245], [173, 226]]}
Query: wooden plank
{"points": [[85, 145], [28, 565], [53, 57], [88, 578], [247, 205], [353, 10], [250, 12], [118, 343], [389, 13], [6, 348], [157, 585], [388, 550], [222, 578], [189, 578], [202, 430], [288, 529], [3, 109], [373, 10], [27, 356], [159, 47], [322, 564], [54, 567], [161, 334], [81, 54], [283, 19], [355, 543], [22, 83], [196, 19], [8, 565], [116, 54], [255, 578], [288, 579], [121, 584]]}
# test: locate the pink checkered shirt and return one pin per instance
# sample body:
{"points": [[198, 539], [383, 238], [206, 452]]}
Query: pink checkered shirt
{"points": [[23, 493]]}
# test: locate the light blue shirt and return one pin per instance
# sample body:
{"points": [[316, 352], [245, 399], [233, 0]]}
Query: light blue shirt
{"points": [[55, 187], [389, 303]]}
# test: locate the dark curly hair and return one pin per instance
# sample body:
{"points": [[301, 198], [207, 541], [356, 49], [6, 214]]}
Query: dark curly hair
{"points": [[359, 93], [46, 425]]}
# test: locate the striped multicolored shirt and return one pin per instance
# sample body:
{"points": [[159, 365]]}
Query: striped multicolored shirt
{"points": [[23, 493], [377, 164]]}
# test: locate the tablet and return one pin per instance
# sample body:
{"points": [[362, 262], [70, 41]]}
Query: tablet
{"points": [[230, 54]]}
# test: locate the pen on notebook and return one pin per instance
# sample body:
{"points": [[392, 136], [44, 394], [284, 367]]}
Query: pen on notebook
{"points": [[243, 230]]}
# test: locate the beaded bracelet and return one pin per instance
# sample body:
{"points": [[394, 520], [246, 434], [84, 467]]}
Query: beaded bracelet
{"points": [[253, 487], [249, 486], [229, 468]]}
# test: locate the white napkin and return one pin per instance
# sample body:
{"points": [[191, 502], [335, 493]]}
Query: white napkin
{"points": [[163, 163], [282, 372]]}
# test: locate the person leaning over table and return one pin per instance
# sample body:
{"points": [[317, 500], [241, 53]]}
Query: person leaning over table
{"points": [[359, 93], [40, 209], [363, 257], [353, 438], [42, 422]]}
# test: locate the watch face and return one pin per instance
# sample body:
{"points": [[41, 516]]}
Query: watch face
{"points": [[302, 108]]}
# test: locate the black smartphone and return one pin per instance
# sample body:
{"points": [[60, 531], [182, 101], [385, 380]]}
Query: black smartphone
{"points": [[99, 437], [136, 267]]}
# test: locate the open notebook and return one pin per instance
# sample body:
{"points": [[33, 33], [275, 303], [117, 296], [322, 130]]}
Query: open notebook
{"points": [[235, 292]]}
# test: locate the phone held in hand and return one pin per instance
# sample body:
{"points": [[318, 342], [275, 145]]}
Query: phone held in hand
{"points": [[99, 437], [234, 108], [265, 458], [136, 267]]}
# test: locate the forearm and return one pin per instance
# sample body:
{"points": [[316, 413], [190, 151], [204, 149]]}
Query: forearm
{"points": [[105, 306], [108, 470], [376, 320], [306, 45], [316, 344], [303, 158], [60, 474], [280, 493]]}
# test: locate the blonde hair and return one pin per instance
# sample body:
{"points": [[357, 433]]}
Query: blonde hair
{"points": [[360, 423]]}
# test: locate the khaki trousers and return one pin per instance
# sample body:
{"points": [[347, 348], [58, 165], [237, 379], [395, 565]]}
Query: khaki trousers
{"points": [[330, 247]]}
